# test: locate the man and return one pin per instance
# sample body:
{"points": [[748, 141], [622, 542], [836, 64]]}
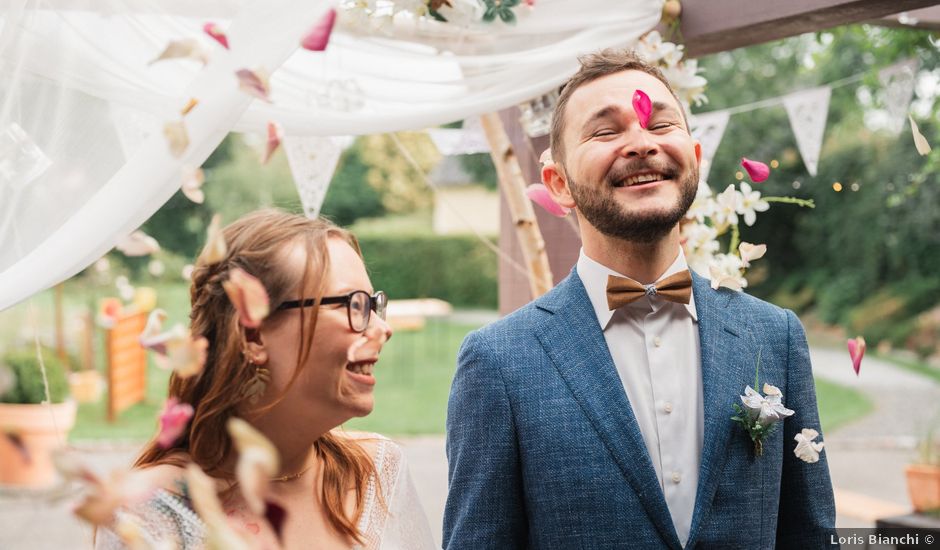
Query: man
{"points": [[584, 420]]}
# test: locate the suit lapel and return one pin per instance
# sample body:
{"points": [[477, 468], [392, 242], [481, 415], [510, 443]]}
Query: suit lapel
{"points": [[573, 339], [727, 354]]}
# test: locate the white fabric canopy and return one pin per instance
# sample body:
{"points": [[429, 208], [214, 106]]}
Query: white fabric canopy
{"points": [[83, 158]]}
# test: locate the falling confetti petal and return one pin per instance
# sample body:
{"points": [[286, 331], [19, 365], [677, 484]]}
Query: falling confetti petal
{"points": [[248, 296], [192, 184], [751, 252], [757, 170], [318, 37], [216, 33], [173, 421], [189, 106], [539, 194], [642, 106], [219, 533], [919, 140], [806, 449], [177, 138], [187, 48], [257, 462], [275, 134], [856, 352], [137, 243], [368, 346], [215, 249], [254, 83], [153, 331]]}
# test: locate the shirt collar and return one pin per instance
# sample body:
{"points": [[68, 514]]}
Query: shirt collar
{"points": [[593, 275]]}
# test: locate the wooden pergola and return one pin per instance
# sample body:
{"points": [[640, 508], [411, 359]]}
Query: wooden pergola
{"points": [[707, 26]]}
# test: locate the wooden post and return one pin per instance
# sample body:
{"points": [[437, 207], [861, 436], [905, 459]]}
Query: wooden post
{"points": [[513, 185]]}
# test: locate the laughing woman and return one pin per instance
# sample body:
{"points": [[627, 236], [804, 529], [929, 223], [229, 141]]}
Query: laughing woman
{"points": [[291, 379]]}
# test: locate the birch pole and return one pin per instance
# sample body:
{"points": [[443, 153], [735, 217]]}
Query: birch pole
{"points": [[513, 184]]}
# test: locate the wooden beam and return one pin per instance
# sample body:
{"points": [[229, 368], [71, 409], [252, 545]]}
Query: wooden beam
{"points": [[710, 26], [927, 19]]}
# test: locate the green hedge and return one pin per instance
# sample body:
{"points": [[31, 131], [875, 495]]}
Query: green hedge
{"points": [[28, 386], [460, 270]]}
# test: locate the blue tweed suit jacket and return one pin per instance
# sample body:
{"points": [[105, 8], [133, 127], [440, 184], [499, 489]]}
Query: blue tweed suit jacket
{"points": [[544, 450]]}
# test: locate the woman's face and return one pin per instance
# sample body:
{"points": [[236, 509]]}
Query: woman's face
{"points": [[329, 387]]}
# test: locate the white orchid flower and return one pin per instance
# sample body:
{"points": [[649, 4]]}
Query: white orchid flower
{"points": [[751, 204], [808, 450], [768, 409], [725, 271], [727, 205], [751, 252]]}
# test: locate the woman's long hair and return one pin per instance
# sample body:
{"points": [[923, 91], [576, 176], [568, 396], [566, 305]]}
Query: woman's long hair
{"points": [[258, 243]]}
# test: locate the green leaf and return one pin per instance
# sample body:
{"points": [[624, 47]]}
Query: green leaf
{"points": [[490, 14], [437, 15], [507, 16]]}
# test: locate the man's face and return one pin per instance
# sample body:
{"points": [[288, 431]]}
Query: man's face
{"points": [[627, 181]]}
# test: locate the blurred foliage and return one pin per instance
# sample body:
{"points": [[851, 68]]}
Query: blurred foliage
{"points": [[402, 188], [28, 387], [350, 196], [457, 269], [864, 255]]}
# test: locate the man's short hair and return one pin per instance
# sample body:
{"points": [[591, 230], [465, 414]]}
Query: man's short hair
{"points": [[594, 66]]}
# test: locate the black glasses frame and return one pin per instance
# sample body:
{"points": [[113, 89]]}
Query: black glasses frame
{"points": [[378, 303]]}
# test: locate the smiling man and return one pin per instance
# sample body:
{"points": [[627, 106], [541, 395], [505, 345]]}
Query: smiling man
{"points": [[599, 415]]}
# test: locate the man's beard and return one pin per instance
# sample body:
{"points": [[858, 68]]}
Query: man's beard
{"points": [[601, 209]]}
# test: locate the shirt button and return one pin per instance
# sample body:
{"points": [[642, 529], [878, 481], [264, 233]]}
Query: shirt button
{"points": [[676, 478], [668, 408], [657, 341]]}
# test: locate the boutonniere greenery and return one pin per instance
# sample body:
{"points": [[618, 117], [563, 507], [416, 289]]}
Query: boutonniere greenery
{"points": [[759, 414]]}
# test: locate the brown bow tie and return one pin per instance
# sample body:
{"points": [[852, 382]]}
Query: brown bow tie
{"points": [[675, 288]]}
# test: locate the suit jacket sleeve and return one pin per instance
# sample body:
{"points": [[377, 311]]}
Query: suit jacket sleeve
{"points": [[485, 506], [807, 508]]}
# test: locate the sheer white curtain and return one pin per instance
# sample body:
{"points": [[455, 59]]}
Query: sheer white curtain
{"points": [[83, 159]]}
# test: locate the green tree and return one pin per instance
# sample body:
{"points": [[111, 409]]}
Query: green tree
{"points": [[350, 196]]}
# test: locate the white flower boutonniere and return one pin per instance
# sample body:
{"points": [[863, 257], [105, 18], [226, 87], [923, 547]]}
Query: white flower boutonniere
{"points": [[760, 414]]}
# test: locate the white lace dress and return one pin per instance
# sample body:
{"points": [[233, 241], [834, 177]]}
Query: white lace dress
{"points": [[168, 520]]}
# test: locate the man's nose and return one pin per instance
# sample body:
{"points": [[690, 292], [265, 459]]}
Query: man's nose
{"points": [[638, 144]]}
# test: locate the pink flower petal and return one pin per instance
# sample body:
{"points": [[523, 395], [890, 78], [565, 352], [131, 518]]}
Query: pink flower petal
{"points": [[216, 248], [248, 296], [856, 352], [138, 243], [538, 194], [254, 83], [642, 106], [275, 135], [173, 421], [216, 33], [757, 170], [318, 37]]}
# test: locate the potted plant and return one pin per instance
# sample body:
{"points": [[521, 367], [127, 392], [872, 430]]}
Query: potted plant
{"points": [[30, 426], [923, 477]]}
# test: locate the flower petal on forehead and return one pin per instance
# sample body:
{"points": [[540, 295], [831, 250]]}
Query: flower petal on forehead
{"points": [[643, 107]]}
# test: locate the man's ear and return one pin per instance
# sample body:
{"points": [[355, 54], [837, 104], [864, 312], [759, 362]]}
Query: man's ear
{"points": [[255, 350], [556, 181]]}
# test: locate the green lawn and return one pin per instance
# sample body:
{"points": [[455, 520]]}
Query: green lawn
{"points": [[839, 405]]}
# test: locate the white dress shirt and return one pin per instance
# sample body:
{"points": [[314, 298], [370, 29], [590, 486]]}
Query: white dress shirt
{"points": [[655, 346]]}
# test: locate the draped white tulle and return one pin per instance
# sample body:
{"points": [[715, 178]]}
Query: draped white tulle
{"points": [[83, 159]]}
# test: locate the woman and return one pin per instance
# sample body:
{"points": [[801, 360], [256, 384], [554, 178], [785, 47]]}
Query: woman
{"points": [[291, 379]]}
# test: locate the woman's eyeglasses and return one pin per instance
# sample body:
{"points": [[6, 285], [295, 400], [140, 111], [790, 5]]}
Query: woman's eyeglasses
{"points": [[359, 306]]}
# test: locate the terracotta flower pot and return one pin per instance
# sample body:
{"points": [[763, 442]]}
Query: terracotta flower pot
{"points": [[28, 435], [923, 484]]}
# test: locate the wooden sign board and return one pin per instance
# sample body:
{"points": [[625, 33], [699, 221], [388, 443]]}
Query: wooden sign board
{"points": [[127, 364]]}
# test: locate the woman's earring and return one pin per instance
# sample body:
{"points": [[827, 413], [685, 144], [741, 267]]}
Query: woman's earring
{"points": [[258, 383]]}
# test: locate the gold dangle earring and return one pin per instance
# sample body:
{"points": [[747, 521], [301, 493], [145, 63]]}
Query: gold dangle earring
{"points": [[256, 386]]}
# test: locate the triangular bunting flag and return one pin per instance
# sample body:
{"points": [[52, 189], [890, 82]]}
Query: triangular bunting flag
{"points": [[312, 161], [807, 110], [708, 129], [460, 141], [898, 81]]}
